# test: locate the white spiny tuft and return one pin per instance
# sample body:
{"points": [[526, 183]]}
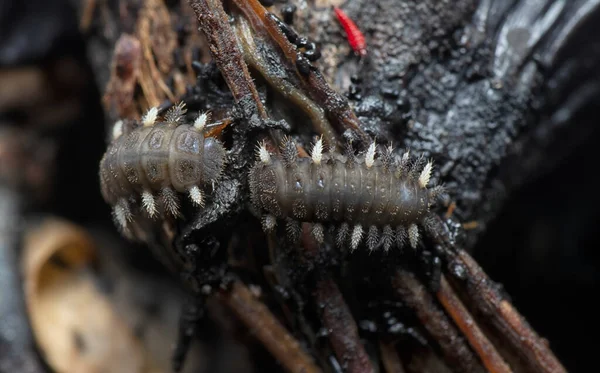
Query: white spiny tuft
{"points": [[387, 238], [293, 229], [356, 236], [120, 216], [200, 122], [390, 148], [372, 238], [117, 130], [150, 118], [149, 203], [425, 175], [370, 156], [413, 235], [269, 222], [196, 196], [405, 157], [122, 213], [317, 151], [342, 234], [263, 153], [170, 201], [318, 233]]}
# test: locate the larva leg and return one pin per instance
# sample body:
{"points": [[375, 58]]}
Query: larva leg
{"points": [[122, 213], [269, 222], [149, 203], [372, 238], [196, 195], [293, 229], [413, 235], [356, 237], [170, 201], [387, 238], [401, 236], [318, 233], [342, 234]]}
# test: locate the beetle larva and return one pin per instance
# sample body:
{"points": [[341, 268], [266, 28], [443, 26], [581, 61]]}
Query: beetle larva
{"points": [[384, 197], [156, 160]]}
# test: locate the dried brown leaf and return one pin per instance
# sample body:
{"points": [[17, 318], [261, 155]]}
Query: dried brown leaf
{"points": [[74, 323]]}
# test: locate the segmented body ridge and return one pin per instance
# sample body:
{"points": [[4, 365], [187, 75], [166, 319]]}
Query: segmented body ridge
{"points": [[151, 163], [383, 199]]}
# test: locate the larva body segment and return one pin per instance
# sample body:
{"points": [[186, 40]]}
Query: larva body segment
{"points": [[156, 160], [333, 192], [370, 199]]}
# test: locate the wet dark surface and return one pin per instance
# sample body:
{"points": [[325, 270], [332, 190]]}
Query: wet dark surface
{"points": [[506, 108]]}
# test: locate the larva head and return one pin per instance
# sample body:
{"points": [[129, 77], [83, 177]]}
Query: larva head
{"points": [[414, 201], [214, 159]]}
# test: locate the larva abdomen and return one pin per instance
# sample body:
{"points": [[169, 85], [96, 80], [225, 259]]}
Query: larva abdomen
{"points": [[157, 159], [386, 199], [151, 156], [333, 192]]}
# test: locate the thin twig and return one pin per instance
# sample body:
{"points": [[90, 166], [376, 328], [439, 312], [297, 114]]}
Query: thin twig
{"points": [[336, 316], [87, 15], [343, 332], [253, 57], [257, 317], [390, 359], [214, 22], [462, 318], [454, 348], [506, 319]]}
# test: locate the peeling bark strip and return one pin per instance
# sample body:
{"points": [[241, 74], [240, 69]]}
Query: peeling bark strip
{"points": [[225, 51], [257, 317], [286, 85], [343, 333], [462, 318], [507, 320], [454, 348]]}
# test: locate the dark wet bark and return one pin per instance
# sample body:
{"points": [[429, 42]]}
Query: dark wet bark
{"points": [[498, 93]]}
